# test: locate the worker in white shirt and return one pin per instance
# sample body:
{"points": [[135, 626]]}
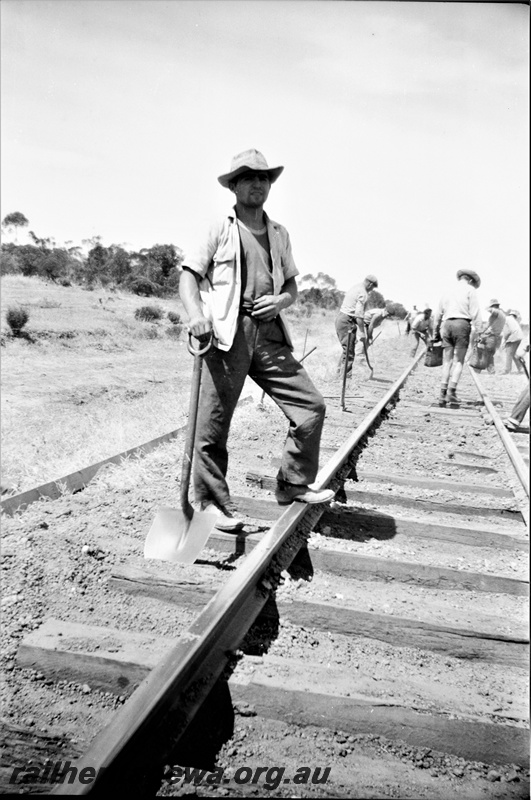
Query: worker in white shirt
{"points": [[457, 314], [350, 319]]}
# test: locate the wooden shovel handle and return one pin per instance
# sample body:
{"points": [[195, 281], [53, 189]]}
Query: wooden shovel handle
{"points": [[192, 420]]}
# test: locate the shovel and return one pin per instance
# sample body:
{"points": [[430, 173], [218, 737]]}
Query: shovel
{"points": [[179, 535]]}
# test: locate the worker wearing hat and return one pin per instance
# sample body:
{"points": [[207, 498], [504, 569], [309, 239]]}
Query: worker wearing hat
{"points": [[457, 315], [235, 286], [350, 319], [421, 328], [491, 336]]}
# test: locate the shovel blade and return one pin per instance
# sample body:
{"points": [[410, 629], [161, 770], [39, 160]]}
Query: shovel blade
{"points": [[175, 537]]}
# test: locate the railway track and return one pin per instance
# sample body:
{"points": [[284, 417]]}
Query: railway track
{"points": [[394, 619]]}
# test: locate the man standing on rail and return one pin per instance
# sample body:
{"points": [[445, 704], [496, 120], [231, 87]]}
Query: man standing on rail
{"points": [[457, 313], [235, 287], [350, 319]]}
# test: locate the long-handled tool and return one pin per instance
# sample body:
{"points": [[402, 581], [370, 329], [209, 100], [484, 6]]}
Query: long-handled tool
{"points": [[345, 370], [179, 535], [366, 351]]}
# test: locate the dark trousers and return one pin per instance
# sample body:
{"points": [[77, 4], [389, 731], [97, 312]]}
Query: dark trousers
{"points": [[510, 356], [344, 324], [521, 406], [259, 351], [492, 342]]}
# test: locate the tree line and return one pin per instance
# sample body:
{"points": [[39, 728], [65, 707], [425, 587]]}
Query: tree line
{"points": [[153, 271]]}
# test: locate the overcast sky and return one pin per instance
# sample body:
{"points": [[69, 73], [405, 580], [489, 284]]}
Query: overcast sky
{"points": [[403, 129]]}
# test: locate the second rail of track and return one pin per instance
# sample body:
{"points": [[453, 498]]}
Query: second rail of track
{"points": [[515, 457]]}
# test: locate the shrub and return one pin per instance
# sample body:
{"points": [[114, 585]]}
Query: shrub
{"points": [[375, 300], [143, 286], [175, 331], [150, 332], [149, 313], [396, 310], [16, 318], [9, 263], [174, 318]]}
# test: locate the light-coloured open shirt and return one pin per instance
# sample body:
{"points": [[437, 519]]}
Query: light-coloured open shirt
{"points": [[217, 260]]}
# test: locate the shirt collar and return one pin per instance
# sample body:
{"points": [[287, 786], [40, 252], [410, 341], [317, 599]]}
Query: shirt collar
{"points": [[232, 216]]}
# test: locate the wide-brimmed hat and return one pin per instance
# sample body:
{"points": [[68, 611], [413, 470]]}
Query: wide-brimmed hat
{"points": [[493, 303], [511, 312], [249, 160], [372, 279], [469, 273]]}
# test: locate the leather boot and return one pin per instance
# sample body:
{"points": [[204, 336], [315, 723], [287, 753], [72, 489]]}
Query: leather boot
{"points": [[442, 397], [451, 399]]}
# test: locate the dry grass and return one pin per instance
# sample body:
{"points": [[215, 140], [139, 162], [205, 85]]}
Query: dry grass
{"points": [[92, 381], [56, 309]]}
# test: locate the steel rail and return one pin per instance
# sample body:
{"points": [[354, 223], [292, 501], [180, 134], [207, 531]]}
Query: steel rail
{"points": [[80, 479], [158, 712], [512, 451]]}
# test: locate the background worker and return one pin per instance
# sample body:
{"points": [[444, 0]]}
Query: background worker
{"points": [[512, 337], [421, 328], [372, 319], [235, 287], [457, 313], [350, 318], [410, 316], [492, 335]]}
